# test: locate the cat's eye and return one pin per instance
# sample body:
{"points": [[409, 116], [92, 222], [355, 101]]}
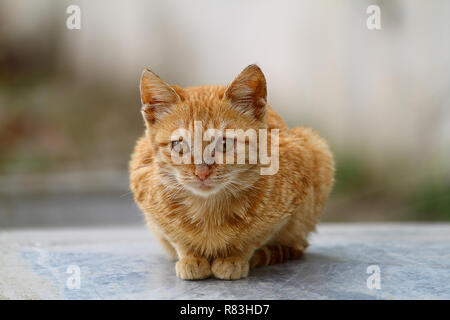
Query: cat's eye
{"points": [[180, 146], [225, 145]]}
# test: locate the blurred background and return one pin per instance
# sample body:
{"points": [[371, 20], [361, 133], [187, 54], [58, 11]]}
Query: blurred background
{"points": [[69, 100]]}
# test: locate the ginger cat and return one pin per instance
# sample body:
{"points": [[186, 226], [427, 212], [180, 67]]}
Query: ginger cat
{"points": [[222, 219]]}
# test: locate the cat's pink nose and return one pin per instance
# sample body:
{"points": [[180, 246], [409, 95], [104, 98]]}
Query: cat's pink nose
{"points": [[202, 171]]}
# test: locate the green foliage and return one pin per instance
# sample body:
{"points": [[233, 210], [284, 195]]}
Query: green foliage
{"points": [[352, 174], [49, 123], [431, 201]]}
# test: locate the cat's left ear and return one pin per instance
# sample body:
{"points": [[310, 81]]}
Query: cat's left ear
{"points": [[248, 92], [157, 97]]}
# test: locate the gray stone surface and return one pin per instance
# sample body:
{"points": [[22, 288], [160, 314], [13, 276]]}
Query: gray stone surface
{"points": [[414, 262]]}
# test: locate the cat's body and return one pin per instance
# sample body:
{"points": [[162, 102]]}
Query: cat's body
{"points": [[244, 218]]}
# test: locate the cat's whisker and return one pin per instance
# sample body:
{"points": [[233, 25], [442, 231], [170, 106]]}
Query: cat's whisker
{"points": [[126, 194]]}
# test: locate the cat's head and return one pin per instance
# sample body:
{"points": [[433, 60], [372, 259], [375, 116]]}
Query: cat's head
{"points": [[169, 110]]}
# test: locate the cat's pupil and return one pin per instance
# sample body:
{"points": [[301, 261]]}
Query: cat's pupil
{"points": [[180, 146], [225, 145]]}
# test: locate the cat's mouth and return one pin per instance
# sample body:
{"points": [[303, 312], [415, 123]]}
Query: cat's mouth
{"points": [[202, 188], [204, 185]]}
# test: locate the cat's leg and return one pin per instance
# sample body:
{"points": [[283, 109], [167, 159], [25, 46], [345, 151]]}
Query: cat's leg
{"points": [[288, 243], [167, 246], [234, 266], [191, 266]]}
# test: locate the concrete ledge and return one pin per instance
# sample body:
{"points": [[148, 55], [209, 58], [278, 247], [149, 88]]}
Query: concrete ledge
{"points": [[414, 263]]}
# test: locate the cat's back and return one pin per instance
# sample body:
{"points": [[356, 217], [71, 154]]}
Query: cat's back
{"points": [[316, 149]]}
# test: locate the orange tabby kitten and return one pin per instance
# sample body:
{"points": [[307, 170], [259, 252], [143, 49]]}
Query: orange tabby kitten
{"points": [[222, 219]]}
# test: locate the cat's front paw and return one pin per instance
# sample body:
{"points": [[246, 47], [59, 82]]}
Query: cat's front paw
{"points": [[230, 268], [192, 268]]}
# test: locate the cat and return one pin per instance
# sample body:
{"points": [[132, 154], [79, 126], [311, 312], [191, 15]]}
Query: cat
{"points": [[223, 219]]}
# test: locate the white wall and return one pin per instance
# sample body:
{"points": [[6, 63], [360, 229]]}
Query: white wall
{"points": [[384, 92]]}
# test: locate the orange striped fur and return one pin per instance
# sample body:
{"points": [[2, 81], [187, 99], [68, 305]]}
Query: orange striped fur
{"points": [[248, 219], [268, 255]]}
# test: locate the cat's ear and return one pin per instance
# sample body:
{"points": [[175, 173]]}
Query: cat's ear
{"points": [[248, 92], [157, 97]]}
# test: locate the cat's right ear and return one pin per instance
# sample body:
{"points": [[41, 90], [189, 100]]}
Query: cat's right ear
{"points": [[248, 92], [157, 97]]}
